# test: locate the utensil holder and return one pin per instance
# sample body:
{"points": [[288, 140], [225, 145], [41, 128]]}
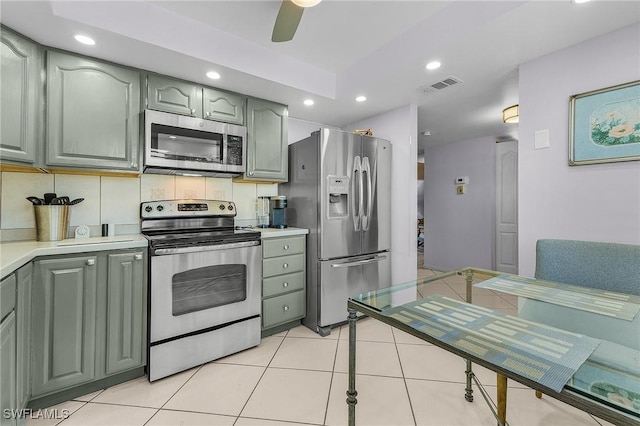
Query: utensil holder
{"points": [[52, 222]]}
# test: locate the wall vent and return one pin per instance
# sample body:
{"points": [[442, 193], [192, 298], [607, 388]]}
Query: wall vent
{"points": [[437, 86]]}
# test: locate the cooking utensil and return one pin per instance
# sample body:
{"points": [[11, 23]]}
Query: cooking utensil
{"points": [[56, 202], [65, 199], [49, 196], [76, 201], [36, 201]]}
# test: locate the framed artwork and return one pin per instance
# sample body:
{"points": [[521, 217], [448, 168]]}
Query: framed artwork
{"points": [[605, 125]]}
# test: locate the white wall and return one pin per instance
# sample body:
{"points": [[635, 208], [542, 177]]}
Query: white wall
{"points": [[400, 126], [591, 202], [300, 129], [459, 229]]}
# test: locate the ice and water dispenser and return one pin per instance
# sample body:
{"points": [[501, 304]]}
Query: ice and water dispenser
{"points": [[338, 192]]}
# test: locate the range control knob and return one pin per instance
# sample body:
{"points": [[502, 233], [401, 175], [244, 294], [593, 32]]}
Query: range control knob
{"points": [[148, 209], [230, 207], [221, 207], [160, 207]]}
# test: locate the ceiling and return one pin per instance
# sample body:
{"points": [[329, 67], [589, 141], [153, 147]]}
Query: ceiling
{"points": [[341, 49]]}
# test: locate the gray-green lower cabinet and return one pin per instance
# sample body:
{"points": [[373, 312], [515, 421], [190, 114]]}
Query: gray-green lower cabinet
{"points": [[64, 323], [283, 283], [88, 321], [24, 278], [8, 397], [126, 313]]}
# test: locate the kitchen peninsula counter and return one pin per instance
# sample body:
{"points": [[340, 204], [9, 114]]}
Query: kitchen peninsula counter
{"points": [[14, 254]]}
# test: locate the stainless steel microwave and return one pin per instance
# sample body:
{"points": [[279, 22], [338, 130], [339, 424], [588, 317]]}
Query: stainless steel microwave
{"points": [[189, 146]]}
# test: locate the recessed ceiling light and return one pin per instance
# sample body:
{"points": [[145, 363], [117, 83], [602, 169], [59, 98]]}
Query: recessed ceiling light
{"points": [[580, 1], [433, 65], [84, 39], [308, 102], [213, 75], [361, 98]]}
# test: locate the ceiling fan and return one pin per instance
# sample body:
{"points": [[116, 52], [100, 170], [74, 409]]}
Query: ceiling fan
{"points": [[288, 18]]}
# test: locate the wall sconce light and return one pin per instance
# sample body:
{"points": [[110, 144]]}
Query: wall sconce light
{"points": [[511, 114]]}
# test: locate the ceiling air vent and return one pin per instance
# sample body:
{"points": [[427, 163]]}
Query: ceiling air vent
{"points": [[443, 84]]}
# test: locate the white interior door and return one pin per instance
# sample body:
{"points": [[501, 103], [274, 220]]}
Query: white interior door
{"points": [[507, 207]]}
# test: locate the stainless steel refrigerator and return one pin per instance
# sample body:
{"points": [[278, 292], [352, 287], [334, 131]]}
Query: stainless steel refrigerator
{"points": [[340, 189]]}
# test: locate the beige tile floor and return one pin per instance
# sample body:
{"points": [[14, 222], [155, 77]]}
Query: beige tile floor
{"points": [[299, 378]]}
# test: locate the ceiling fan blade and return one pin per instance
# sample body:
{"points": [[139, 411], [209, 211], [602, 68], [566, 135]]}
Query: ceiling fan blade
{"points": [[287, 21]]}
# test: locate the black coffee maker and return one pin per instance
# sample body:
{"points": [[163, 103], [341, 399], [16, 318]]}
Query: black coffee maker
{"points": [[278, 207]]}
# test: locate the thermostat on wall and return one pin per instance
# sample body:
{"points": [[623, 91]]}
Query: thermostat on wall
{"points": [[463, 180]]}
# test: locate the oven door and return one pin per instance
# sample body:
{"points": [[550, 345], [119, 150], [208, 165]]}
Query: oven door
{"points": [[200, 288]]}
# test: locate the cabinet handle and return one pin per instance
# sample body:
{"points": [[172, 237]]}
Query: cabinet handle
{"points": [[91, 262], [138, 257], [285, 284], [250, 173], [208, 113], [193, 111], [286, 247], [285, 308], [285, 265]]}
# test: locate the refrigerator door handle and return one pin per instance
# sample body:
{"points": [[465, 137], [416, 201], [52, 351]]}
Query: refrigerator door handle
{"points": [[366, 169], [356, 191], [377, 258]]}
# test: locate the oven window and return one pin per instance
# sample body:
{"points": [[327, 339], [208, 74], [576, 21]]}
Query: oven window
{"points": [[204, 288]]}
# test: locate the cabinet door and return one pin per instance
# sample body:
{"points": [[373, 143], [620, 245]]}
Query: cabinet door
{"points": [[267, 149], [126, 305], [92, 113], [223, 106], [8, 369], [23, 332], [63, 323], [20, 84], [170, 95]]}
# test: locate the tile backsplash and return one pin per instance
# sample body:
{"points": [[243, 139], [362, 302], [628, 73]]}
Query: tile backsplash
{"points": [[115, 200]]}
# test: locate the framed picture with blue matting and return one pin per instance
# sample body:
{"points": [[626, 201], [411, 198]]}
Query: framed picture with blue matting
{"points": [[605, 125]]}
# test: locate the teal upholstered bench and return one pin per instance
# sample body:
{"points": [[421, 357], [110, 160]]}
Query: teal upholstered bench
{"points": [[607, 266]]}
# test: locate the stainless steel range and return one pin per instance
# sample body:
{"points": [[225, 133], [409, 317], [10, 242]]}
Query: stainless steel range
{"points": [[204, 284]]}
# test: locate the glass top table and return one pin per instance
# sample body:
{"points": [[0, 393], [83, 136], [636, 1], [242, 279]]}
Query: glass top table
{"points": [[575, 344]]}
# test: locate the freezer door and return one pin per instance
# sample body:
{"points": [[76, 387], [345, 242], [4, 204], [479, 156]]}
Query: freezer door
{"points": [[376, 212], [340, 194], [342, 278]]}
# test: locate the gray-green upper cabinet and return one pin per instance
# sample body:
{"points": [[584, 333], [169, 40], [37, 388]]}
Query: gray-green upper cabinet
{"points": [[92, 113], [20, 85], [63, 323], [126, 307], [267, 141], [8, 368], [223, 106], [171, 95]]}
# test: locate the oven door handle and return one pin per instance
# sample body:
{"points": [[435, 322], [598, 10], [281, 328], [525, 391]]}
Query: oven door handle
{"points": [[197, 249]]}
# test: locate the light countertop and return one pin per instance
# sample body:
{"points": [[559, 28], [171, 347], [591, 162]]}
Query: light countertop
{"points": [[284, 232], [15, 254]]}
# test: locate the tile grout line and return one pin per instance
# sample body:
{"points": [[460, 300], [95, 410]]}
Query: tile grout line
{"points": [[404, 379], [333, 372]]}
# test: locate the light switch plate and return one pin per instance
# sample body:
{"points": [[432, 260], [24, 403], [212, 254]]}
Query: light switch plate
{"points": [[541, 139]]}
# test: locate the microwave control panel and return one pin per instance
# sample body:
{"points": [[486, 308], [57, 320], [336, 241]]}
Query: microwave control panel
{"points": [[234, 150]]}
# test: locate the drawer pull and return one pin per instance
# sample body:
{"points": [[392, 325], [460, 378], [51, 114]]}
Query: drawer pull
{"points": [[138, 257], [285, 308], [286, 247], [285, 265], [91, 262], [285, 284]]}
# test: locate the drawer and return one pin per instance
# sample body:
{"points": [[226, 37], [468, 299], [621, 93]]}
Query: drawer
{"points": [[282, 284], [282, 265], [273, 247], [7, 295], [282, 309]]}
